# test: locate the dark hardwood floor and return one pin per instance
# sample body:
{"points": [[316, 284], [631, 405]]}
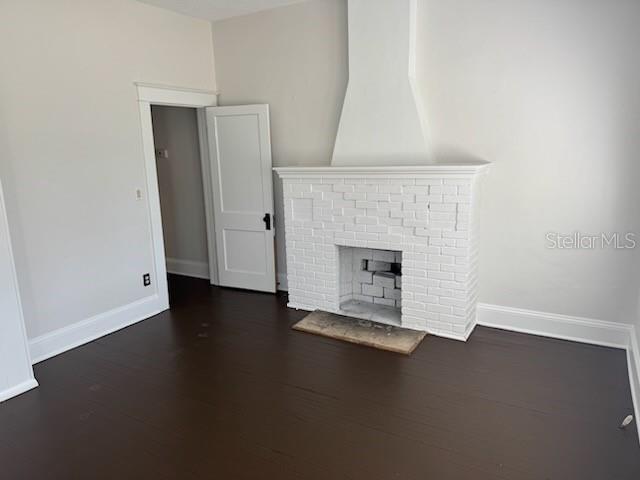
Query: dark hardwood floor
{"points": [[221, 388]]}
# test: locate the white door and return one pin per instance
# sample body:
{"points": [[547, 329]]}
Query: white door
{"points": [[240, 155]]}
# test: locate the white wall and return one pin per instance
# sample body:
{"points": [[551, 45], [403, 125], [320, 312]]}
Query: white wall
{"points": [[544, 89], [175, 129], [72, 150], [547, 90], [295, 59]]}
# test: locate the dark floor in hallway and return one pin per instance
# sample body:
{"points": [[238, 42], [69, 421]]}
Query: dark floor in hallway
{"points": [[221, 388]]}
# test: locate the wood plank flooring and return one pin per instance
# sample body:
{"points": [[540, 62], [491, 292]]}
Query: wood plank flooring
{"points": [[220, 387]]}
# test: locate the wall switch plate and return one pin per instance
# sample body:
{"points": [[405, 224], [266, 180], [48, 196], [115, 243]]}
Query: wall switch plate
{"points": [[146, 279], [138, 194], [162, 153]]}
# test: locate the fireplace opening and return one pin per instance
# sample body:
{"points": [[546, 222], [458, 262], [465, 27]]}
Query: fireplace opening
{"points": [[371, 284]]}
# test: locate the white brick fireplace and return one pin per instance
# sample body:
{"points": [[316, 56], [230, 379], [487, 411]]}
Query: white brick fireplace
{"points": [[383, 198], [428, 214]]}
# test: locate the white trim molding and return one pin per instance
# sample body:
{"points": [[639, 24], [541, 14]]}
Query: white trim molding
{"points": [[16, 373], [282, 285], [59, 341], [633, 364], [461, 169], [175, 96], [18, 389], [577, 329], [188, 268], [148, 95], [565, 327]]}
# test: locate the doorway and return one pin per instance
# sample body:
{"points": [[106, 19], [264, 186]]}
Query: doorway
{"points": [[181, 188], [235, 149]]}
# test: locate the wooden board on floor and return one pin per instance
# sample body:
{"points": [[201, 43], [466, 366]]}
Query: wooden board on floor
{"points": [[361, 332]]}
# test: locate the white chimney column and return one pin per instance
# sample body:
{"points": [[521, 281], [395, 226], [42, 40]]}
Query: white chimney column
{"points": [[381, 121]]}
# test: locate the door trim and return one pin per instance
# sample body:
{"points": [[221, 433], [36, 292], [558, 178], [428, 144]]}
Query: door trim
{"points": [[149, 94]]}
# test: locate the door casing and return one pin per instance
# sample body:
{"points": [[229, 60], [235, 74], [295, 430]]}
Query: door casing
{"points": [[148, 95]]}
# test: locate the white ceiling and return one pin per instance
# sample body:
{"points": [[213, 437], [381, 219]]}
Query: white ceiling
{"points": [[218, 9]]}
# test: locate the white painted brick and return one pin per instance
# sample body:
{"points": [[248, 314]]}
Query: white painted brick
{"points": [[344, 203], [332, 196], [439, 308], [344, 188], [365, 237], [440, 275], [364, 276], [414, 206], [355, 196], [456, 252], [366, 188], [374, 212], [405, 197], [372, 290], [410, 222], [442, 207], [384, 256], [378, 197], [426, 299], [443, 189], [388, 206], [384, 301], [413, 305], [346, 235], [402, 214], [366, 204], [378, 266], [428, 198], [393, 293], [385, 280], [301, 187], [377, 228], [390, 239], [363, 298], [422, 189], [432, 220], [367, 220], [389, 189]]}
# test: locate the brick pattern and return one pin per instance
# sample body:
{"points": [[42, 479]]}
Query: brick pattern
{"points": [[432, 221], [366, 276]]}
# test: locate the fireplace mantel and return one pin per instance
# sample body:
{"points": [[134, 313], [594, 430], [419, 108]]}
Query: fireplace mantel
{"points": [[455, 170]]}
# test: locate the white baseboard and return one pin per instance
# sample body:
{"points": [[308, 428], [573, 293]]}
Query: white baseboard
{"points": [[59, 341], [188, 268], [577, 329], [282, 284], [633, 364], [18, 389]]}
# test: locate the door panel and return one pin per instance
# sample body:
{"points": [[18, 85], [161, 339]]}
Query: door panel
{"points": [[240, 151]]}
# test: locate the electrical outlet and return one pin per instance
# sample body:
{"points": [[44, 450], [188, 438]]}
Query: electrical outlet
{"points": [[146, 279]]}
